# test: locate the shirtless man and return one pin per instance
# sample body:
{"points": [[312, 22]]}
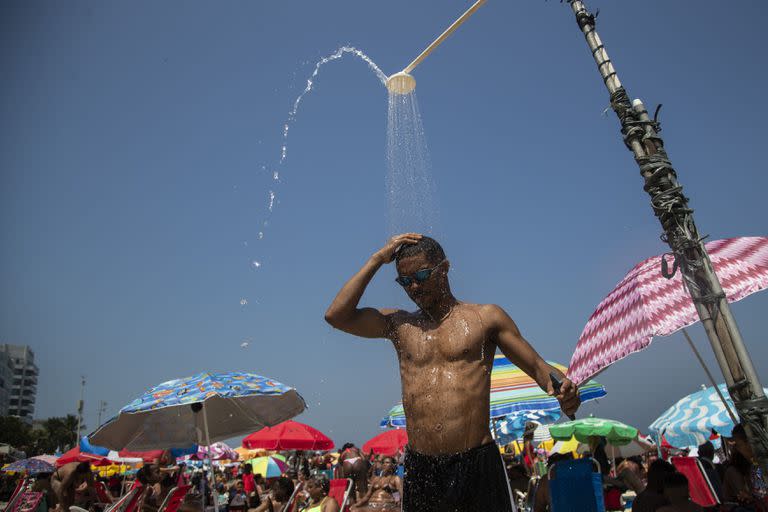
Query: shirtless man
{"points": [[70, 479], [445, 351]]}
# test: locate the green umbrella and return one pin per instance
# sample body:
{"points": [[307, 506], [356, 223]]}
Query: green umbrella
{"points": [[615, 432]]}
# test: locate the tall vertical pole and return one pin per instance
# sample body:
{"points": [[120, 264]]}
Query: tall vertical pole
{"points": [[80, 405], [102, 408], [676, 217]]}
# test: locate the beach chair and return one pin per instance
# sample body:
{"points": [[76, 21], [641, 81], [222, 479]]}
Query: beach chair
{"points": [[101, 492], [575, 487], [17, 492], [340, 489], [699, 485], [131, 502], [28, 501], [174, 499], [293, 500]]}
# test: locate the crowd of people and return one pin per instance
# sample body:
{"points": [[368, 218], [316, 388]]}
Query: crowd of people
{"points": [[652, 482]]}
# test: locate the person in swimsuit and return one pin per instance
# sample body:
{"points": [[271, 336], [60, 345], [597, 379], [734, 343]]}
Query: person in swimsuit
{"points": [[319, 501], [71, 479], [353, 465], [445, 351], [282, 490], [384, 491]]}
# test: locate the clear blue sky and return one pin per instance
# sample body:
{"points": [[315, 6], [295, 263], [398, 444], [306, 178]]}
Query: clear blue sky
{"points": [[138, 141]]}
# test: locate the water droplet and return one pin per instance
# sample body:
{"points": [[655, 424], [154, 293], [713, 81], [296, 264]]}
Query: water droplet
{"points": [[243, 302], [245, 344], [255, 264], [261, 235], [276, 176], [271, 200]]}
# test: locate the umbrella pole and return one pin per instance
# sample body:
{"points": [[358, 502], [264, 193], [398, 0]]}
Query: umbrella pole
{"points": [[680, 232], [214, 493], [710, 377]]}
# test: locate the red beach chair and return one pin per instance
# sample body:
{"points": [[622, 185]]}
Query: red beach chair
{"points": [[174, 499], [101, 492], [699, 486], [17, 492], [131, 502], [293, 500], [340, 489]]}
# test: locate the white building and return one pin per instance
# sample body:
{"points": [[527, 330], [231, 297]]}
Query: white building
{"points": [[24, 385]]}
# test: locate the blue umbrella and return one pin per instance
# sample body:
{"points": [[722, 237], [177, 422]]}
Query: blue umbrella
{"points": [[692, 419], [512, 426], [168, 415], [32, 466]]}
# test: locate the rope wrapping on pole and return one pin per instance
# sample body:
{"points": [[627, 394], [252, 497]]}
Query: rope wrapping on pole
{"points": [[670, 206]]}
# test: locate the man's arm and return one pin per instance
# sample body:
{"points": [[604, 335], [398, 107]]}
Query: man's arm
{"points": [[343, 312], [520, 352]]}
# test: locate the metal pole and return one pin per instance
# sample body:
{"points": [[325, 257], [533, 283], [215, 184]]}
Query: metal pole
{"points": [[80, 405], [214, 493], [671, 207], [710, 377]]}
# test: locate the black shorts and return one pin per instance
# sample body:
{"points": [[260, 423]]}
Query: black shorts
{"points": [[472, 481]]}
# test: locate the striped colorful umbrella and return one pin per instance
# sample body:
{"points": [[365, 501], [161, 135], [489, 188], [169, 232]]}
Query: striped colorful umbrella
{"points": [[691, 420], [512, 390], [646, 304], [268, 467], [512, 426]]}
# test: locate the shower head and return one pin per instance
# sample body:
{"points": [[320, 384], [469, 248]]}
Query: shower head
{"points": [[401, 83]]}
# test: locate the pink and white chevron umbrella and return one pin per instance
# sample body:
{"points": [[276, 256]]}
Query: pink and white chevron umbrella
{"points": [[646, 304]]}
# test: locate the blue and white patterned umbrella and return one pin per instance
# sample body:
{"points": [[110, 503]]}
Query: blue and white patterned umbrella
{"points": [[512, 426], [199, 410], [691, 420]]}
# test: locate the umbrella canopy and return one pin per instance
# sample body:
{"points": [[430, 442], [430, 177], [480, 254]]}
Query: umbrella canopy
{"points": [[168, 415], [512, 426], [638, 446], [288, 435], [217, 451], [387, 443], [512, 390], [246, 454], [268, 467], [615, 432], [31, 466], [569, 446], [50, 459], [76, 455], [691, 420], [646, 304]]}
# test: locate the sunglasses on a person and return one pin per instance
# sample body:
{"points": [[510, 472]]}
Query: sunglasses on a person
{"points": [[419, 276]]}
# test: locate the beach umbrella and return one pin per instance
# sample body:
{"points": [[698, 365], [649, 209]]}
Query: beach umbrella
{"points": [[30, 466], [646, 304], [198, 410], [615, 432], [570, 446], [246, 454], [268, 467], [387, 443], [50, 459], [691, 420], [512, 390], [512, 426], [76, 455], [288, 435]]}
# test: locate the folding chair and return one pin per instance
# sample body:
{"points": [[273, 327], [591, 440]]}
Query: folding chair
{"points": [[28, 501], [700, 486], [575, 487], [174, 499], [101, 492], [131, 502], [340, 489], [17, 492], [293, 500]]}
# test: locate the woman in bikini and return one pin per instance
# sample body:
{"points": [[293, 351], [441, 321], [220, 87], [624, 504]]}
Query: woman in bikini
{"points": [[352, 464], [282, 490], [319, 501], [384, 491]]}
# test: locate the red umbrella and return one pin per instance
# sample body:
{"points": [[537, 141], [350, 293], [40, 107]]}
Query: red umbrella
{"points": [[387, 443], [75, 455], [288, 435], [646, 304]]}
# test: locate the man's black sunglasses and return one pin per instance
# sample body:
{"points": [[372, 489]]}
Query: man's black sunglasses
{"points": [[419, 276]]}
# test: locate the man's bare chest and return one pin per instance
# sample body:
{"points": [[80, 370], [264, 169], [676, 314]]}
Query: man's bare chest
{"points": [[459, 338]]}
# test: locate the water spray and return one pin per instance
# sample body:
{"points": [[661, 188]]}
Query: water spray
{"points": [[403, 82]]}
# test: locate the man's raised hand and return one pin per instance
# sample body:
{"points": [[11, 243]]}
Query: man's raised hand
{"points": [[568, 397], [387, 253]]}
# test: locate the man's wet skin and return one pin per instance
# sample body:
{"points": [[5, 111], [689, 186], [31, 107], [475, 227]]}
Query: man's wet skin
{"points": [[445, 349]]}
